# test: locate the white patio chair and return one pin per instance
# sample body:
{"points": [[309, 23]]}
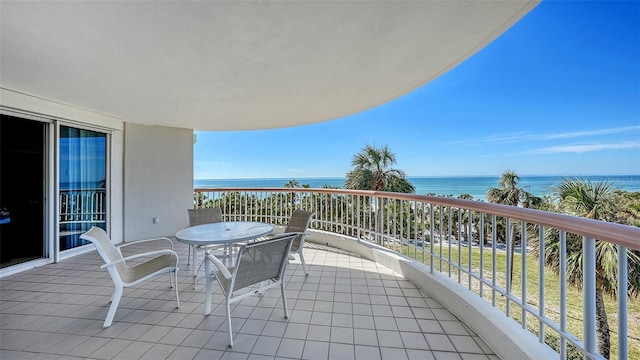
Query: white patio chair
{"points": [[199, 217], [298, 223], [260, 266], [123, 275]]}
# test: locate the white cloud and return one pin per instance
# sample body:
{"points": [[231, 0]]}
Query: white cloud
{"points": [[520, 137], [497, 139], [597, 132], [582, 148]]}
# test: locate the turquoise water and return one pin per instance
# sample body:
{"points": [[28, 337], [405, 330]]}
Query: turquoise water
{"points": [[476, 186]]}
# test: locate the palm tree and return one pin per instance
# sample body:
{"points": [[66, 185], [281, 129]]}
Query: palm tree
{"points": [[594, 201], [292, 184], [372, 171], [510, 193], [292, 197]]}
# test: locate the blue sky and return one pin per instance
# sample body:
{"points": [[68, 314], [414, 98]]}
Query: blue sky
{"points": [[557, 94]]}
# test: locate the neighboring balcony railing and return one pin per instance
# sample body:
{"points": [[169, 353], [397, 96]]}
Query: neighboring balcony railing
{"points": [[477, 244], [82, 206], [79, 209]]}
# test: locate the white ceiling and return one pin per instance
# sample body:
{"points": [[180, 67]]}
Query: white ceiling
{"points": [[238, 65]]}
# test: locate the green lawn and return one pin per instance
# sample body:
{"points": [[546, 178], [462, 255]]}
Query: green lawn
{"points": [[551, 289]]}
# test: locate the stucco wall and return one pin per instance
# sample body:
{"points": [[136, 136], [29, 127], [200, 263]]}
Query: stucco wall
{"points": [[116, 229], [158, 180]]}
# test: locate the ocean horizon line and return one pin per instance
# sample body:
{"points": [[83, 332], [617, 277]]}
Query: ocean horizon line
{"points": [[421, 176], [476, 186]]}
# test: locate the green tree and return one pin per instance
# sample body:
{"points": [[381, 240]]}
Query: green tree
{"points": [[372, 171], [292, 184], [593, 200], [511, 193]]}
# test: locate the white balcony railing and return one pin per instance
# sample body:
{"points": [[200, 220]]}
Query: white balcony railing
{"points": [[79, 209], [82, 206], [446, 234]]}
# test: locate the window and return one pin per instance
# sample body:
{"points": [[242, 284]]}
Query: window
{"points": [[83, 184]]}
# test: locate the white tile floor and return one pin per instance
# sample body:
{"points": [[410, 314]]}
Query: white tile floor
{"points": [[347, 308]]}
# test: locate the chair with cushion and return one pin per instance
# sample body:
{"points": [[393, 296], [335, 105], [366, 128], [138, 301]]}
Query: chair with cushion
{"points": [[259, 266], [199, 217], [298, 223], [126, 274]]}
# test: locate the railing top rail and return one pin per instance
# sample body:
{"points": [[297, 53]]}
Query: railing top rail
{"points": [[623, 235]]}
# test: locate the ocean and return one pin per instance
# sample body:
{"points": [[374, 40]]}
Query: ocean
{"points": [[476, 186]]}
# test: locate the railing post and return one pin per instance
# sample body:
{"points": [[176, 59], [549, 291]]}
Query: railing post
{"points": [[481, 239], [563, 293], [470, 247], [431, 240], [459, 264], [523, 275], [541, 277], [589, 294], [509, 266], [623, 345], [494, 239]]}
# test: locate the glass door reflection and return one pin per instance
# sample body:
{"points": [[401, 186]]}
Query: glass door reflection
{"points": [[83, 169]]}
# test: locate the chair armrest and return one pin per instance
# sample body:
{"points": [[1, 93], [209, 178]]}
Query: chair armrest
{"points": [[223, 269], [146, 240], [150, 253]]}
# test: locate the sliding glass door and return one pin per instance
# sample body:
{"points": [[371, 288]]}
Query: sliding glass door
{"points": [[22, 190], [83, 184]]}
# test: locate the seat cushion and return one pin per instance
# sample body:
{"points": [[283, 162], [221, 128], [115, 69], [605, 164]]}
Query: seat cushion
{"points": [[163, 262]]}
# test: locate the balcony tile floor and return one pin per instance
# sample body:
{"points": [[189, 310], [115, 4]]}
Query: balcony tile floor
{"points": [[347, 308]]}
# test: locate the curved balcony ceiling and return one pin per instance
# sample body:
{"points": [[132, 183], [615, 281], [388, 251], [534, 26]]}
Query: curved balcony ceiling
{"points": [[239, 65]]}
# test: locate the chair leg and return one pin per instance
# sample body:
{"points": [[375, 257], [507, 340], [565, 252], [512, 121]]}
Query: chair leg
{"points": [[284, 299], [304, 266], [115, 301], [207, 292], [226, 259], [189, 254], [195, 277], [229, 322], [175, 286]]}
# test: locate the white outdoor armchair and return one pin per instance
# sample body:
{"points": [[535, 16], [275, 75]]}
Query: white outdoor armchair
{"points": [[298, 223], [259, 266], [123, 275], [202, 216]]}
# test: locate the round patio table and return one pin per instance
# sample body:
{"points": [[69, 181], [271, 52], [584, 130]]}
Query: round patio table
{"points": [[223, 233]]}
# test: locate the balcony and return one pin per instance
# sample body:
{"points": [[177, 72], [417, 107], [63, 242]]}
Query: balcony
{"points": [[392, 276], [347, 308]]}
